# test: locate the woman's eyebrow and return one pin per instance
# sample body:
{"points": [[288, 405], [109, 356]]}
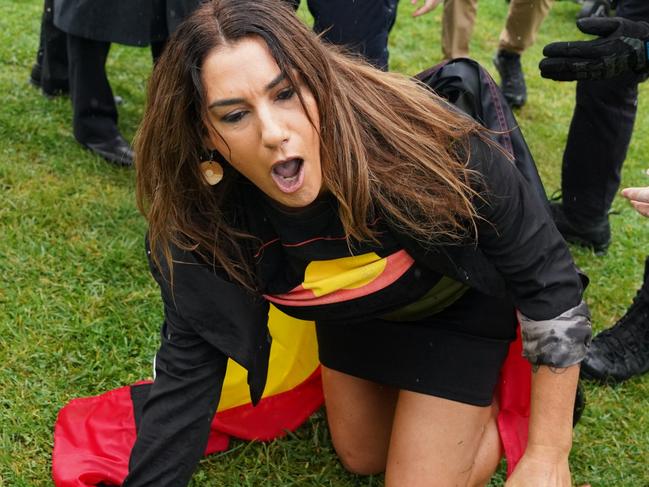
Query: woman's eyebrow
{"points": [[277, 80], [233, 101]]}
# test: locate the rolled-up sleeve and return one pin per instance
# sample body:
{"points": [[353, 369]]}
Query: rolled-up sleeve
{"points": [[561, 341]]}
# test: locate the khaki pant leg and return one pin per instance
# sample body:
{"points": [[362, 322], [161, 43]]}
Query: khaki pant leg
{"points": [[523, 22], [457, 27]]}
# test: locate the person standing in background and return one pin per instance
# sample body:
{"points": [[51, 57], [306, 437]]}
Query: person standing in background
{"points": [[609, 69], [523, 22], [91, 27], [600, 130]]}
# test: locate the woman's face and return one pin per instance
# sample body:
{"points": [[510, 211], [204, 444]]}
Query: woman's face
{"points": [[263, 130]]}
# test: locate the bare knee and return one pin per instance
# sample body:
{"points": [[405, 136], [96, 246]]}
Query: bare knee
{"points": [[359, 414], [361, 463]]}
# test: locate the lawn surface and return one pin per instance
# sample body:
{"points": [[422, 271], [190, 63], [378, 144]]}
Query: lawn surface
{"points": [[79, 314]]}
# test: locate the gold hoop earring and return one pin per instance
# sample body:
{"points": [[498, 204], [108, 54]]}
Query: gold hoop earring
{"points": [[212, 172]]}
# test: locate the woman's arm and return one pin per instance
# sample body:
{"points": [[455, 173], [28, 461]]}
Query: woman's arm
{"points": [[177, 415], [517, 235], [520, 239], [207, 319], [545, 462]]}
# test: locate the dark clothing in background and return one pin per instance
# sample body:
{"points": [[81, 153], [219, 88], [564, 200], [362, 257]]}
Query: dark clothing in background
{"points": [[52, 56], [632, 9], [131, 22], [599, 137], [87, 27], [364, 28], [94, 113]]}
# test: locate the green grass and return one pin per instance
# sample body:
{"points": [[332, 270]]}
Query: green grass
{"points": [[79, 314]]}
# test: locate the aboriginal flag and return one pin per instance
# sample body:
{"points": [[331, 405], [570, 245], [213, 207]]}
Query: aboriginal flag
{"points": [[93, 436]]}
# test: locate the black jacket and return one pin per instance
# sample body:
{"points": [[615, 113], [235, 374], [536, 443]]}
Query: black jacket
{"points": [[208, 319], [132, 22]]}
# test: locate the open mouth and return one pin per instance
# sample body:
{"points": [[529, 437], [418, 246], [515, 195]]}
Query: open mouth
{"points": [[288, 174]]}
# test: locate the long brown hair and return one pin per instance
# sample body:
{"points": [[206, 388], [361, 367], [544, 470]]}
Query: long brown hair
{"points": [[388, 145]]}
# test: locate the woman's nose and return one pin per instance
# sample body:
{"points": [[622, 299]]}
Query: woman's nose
{"points": [[273, 130]]}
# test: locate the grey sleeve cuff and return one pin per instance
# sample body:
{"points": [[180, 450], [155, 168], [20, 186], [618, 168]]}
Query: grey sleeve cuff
{"points": [[559, 342]]}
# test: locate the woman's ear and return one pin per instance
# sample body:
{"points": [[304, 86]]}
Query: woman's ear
{"points": [[210, 146]]}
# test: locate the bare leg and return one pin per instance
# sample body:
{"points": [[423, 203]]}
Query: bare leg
{"points": [[490, 451], [359, 413], [434, 441], [422, 439]]}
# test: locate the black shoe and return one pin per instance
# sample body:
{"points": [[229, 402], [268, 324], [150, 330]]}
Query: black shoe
{"points": [[596, 236], [512, 81], [622, 351], [116, 150], [52, 88]]}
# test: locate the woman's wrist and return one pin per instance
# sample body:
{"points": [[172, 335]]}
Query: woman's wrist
{"points": [[553, 396], [549, 453]]}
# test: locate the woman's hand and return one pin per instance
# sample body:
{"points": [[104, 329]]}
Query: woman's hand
{"points": [[426, 7], [639, 198], [541, 467]]}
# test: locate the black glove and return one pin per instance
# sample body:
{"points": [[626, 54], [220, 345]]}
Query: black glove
{"points": [[621, 49]]}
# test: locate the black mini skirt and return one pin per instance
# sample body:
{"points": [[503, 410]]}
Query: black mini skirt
{"points": [[455, 354]]}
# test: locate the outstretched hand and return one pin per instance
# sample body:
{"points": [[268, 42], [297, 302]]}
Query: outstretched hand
{"points": [[426, 7], [639, 198], [620, 49]]}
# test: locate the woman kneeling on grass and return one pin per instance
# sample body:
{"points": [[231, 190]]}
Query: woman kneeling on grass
{"points": [[357, 199]]}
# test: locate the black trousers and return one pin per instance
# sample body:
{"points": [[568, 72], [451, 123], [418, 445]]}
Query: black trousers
{"points": [[599, 137], [94, 113], [78, 63], [52, 55], [362, 26]]}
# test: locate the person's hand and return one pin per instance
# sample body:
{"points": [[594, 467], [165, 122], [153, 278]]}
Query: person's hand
{"points": [[620, 49], [426, 7], [541, 467], [639, 198]]}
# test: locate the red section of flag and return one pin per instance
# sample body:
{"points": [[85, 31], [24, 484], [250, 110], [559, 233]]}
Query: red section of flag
{"points": [[274, 415], [93, 436], [514, 400]]}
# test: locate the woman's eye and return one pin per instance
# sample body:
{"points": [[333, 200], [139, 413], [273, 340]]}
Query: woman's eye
{"points": [[233, 117], [286, 94]]}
